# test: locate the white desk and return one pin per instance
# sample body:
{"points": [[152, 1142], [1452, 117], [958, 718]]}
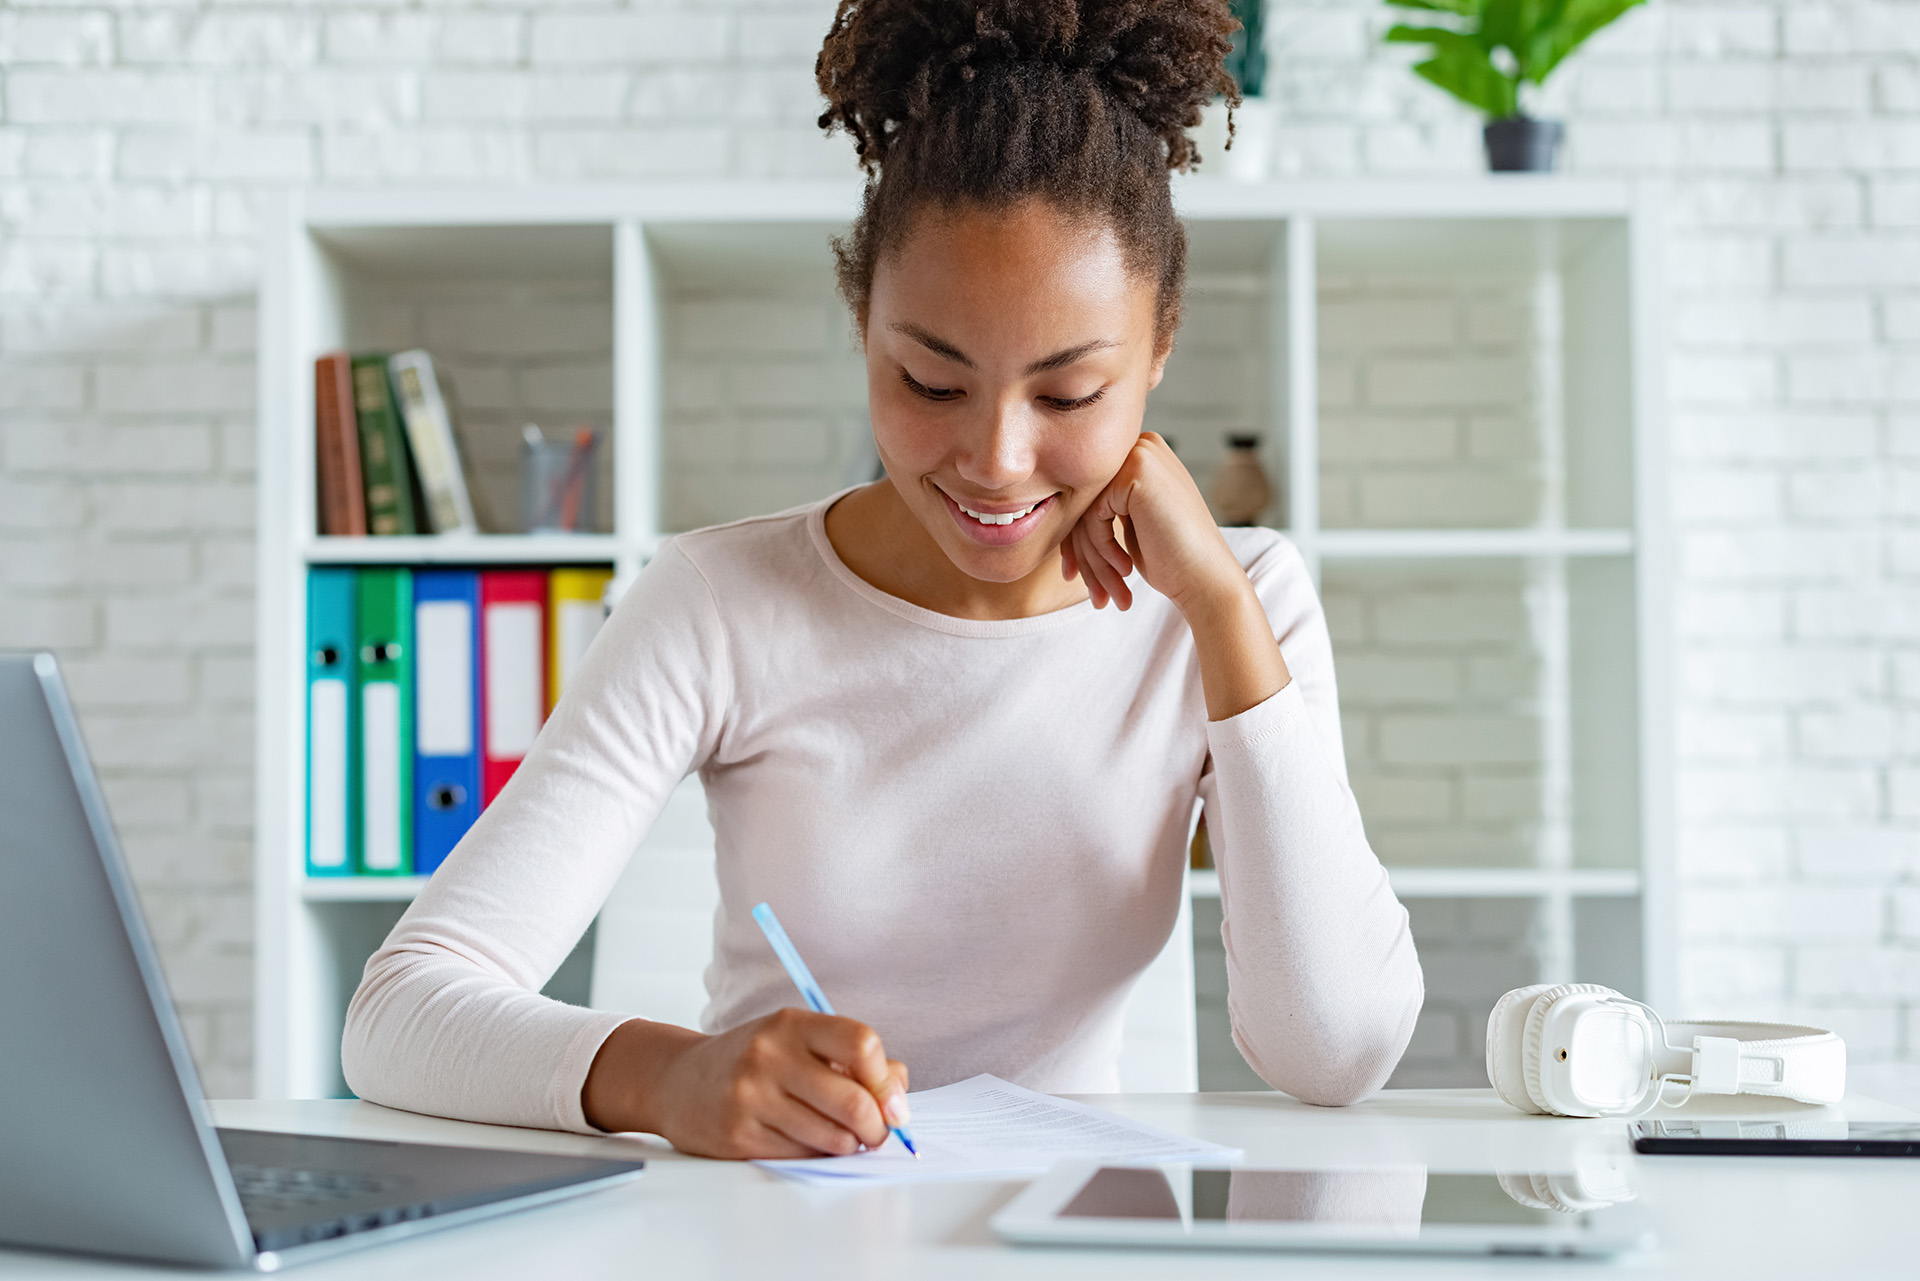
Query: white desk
{"points": [[692, 1219]]}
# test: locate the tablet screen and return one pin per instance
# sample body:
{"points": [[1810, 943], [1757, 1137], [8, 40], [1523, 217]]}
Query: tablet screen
{"points": [[1382, 1200], [1788, 1131], [1794, 1136]]}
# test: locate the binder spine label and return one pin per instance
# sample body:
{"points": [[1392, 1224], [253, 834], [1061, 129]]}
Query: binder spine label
{"points": [[380, 778], [333, 794], [327, 778], [444, 629], [515, 700], [575, 623]]}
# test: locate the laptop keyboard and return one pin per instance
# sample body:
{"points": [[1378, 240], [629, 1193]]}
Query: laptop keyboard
{"points": [[297, 1189], [277, 1189]]}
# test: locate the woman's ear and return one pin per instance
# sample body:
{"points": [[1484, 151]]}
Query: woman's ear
{"points": [[1159, 366]]}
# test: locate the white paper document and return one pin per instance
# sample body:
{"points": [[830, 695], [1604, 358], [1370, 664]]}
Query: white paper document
{"points": [[989, 1128]]}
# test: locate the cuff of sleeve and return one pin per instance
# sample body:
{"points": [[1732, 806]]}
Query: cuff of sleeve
{"points": [[1279, 714], [575, 1062]]}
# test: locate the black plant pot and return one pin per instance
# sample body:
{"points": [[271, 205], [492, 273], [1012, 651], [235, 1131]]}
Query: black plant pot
{"points": [[1522, 144]]}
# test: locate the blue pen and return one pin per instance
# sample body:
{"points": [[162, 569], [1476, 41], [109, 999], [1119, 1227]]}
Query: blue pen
{"points": [[809, 990]]}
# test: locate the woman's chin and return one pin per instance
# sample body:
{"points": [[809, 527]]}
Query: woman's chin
{"points": [[997, 565]]}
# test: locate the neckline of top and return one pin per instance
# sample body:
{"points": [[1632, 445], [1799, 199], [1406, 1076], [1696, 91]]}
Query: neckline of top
{"points": [[987, 628]]}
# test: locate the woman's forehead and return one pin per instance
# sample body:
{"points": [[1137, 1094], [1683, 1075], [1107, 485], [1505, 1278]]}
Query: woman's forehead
{"points": [[1013, 278]]}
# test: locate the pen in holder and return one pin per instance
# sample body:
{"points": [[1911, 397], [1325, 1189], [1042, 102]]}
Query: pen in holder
{"points": [[557, 481]]}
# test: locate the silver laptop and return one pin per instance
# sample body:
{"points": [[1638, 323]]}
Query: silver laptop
{"points": [[105, 1142]]}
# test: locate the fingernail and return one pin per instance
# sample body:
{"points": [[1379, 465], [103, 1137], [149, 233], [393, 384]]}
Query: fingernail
{"points": [[897, 1111]]}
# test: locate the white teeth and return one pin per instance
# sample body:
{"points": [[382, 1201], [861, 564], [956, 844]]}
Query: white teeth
{"points": [[1002, 518]]}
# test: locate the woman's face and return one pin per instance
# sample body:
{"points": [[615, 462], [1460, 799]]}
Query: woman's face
{"points": [[1009, 357]]}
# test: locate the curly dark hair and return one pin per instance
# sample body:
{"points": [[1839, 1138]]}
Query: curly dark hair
{"points": [[987, 103]]}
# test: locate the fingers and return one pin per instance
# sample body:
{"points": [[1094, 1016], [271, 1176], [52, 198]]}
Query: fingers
{"points": [[848, 1042], [858, 1099], [798, 1118], [791, 1084], [765, 1140], [1104, 565], [1098, 524], [842, 1104], [1096, 591]]}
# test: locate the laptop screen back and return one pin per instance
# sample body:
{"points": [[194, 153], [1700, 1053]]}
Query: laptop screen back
{"points": [[102, 1123]]}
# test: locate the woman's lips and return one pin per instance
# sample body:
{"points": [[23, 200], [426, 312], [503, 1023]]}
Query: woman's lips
{"points": [[994, 535]]}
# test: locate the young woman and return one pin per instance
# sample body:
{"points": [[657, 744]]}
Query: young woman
{"points": [[964, 784]]}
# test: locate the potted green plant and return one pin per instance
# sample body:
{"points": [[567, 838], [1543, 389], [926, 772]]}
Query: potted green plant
{"points": [[1490, 49]]}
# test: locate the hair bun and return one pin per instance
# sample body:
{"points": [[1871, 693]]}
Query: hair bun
{"points": [[887, 64]]}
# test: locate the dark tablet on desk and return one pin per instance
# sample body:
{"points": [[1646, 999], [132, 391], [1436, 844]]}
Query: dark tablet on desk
{"points": [[1777, 1138]]}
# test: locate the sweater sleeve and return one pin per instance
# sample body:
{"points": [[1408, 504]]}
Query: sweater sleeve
{"points": [[1323, 985], [448, 1018]]}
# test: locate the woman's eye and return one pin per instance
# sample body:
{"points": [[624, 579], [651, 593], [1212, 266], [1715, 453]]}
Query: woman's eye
{"points": [[1066, 403], [919, 388]]}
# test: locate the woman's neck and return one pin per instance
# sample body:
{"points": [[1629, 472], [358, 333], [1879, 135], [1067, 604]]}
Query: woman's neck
{"points": [[879, 539]]}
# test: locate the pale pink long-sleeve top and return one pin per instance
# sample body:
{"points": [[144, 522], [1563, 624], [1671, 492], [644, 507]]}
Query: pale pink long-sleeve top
{"points": [[974, 831]]}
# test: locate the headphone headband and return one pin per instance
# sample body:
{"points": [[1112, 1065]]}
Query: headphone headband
{"points": [[1784, 1060]]}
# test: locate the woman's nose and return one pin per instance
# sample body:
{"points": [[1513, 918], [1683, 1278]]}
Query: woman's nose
{"points": [[1001, 452]]}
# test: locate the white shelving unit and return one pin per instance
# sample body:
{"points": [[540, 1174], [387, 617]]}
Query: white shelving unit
{"points": [[1482, 882], [623, 306]]}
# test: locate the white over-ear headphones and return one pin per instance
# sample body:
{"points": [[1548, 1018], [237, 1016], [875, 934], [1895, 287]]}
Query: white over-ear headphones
{"points": [[1579, 1049]]}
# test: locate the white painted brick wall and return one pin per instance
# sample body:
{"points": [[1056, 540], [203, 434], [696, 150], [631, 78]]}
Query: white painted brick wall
{"points": [[138, 144], [766, 399], [1438, 672], [1427, 420]]}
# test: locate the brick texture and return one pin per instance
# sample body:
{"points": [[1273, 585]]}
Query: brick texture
{"points": [[139, 141]]}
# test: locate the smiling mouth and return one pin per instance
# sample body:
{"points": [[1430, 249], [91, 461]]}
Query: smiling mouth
{"points": [[996, 518], [1002, 528]]}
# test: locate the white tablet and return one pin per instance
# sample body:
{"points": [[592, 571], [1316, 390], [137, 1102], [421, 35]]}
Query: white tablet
{"points": [[1402, 1209]]}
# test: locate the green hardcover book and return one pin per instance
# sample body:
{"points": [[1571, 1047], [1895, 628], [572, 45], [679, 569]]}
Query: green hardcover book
{"points": [[383, 685], [383, 450]]}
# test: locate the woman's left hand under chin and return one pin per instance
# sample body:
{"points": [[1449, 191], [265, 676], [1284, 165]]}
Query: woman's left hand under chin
{"points": [[1170, 535], [1171, 538]]}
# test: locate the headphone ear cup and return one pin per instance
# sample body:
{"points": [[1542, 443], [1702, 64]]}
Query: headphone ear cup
{"points": [[1550, 1195], [1505, 1027], [1536, 1021], [1520, 1188]]}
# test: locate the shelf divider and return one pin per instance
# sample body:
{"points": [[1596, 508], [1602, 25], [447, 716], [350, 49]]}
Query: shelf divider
{"points": [[1423, 544], [361, 889], [636, 386], [1481, 882], [487, 549], [1303, 391]]}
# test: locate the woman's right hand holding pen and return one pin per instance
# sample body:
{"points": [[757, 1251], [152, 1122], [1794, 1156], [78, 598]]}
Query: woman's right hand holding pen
{"points": [[791, 1084]]}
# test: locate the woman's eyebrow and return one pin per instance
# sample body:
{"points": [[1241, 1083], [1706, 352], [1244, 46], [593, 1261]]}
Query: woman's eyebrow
{"points": [[940, 346], [1061, 359]]}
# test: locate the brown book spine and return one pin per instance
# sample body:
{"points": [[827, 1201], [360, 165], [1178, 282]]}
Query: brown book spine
{"points": [[343, 504]]}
